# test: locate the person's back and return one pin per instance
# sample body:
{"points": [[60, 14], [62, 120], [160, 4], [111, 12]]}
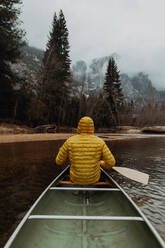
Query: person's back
{"points": [[84, 151]]}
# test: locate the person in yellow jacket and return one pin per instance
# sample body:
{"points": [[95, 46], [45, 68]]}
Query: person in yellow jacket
{"points": [[84, 151]]}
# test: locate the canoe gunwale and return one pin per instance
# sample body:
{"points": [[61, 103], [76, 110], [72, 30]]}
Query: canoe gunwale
{"points": [[141, 218], [153, 230], [13, 236]]}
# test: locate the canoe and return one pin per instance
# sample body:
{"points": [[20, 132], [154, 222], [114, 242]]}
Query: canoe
{"points": [[74, 216]]}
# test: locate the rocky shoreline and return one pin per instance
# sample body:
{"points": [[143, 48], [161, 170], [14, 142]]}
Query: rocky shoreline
{"points": [[154, 130], [14, 129]]}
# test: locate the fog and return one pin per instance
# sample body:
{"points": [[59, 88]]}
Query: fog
{"points": [[132, 29]]}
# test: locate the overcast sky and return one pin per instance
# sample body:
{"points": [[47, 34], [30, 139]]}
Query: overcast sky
{"points": [[134, 29]]}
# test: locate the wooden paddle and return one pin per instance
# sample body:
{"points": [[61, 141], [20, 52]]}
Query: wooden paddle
{"points": [[131, 174]]}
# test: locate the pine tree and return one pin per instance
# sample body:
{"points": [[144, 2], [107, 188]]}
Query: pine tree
{"points": [[52, 40], [117, 88], [112, 89], [56, 73], [10, 43], [101, 117], [63, 51]]}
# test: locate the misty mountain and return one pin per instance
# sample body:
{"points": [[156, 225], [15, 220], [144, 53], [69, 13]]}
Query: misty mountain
{"points": [[32, 57], [89, 78], [138, 88], [29, 64]]}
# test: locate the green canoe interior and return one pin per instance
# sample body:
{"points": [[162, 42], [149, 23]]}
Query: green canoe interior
{"points": [[53, 233]]}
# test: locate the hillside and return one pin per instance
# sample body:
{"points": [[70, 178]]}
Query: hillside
{"points": [[137, 88], [29, 65], [90, 78]]}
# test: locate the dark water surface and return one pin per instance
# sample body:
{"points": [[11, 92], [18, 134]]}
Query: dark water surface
{"points": [[24, 177], [26, 169], [148, 156]]}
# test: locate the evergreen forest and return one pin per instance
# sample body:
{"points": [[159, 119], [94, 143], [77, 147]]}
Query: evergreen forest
{"points": [[51, 99]]}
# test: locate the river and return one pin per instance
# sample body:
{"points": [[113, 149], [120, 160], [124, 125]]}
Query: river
{"points": [[148, 156], [22, 187]]}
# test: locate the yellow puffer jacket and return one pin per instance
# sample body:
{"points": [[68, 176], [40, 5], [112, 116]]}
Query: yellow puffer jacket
{"points": [[84, 151]]}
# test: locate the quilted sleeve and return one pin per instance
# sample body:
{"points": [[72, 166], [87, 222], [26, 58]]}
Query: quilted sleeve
{"points": [[108, 158], [62, 154]]}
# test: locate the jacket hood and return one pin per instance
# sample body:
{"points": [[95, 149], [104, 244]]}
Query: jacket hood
{"points": [[85, 126]]}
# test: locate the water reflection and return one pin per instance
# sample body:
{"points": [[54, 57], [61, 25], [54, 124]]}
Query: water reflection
{"points": [[146, 155]]}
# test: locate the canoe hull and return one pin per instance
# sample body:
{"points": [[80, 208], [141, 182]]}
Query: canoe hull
{"points": [[100, 216]]}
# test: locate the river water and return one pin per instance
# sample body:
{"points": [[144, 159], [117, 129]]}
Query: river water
{"points": [[20, 190], [148, 156]]}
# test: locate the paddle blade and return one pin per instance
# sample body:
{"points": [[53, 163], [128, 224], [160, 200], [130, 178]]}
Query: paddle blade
{"points": [[132, 174]]}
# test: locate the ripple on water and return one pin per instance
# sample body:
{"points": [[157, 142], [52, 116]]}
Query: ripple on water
{"points": [[148, 157]]}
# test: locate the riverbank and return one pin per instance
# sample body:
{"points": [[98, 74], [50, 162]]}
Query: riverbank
{"points": [[14, 138], [51, 132]]}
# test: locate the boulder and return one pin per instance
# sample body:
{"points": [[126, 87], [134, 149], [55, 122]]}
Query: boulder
{"points": [[50, 128], [154, 129]]}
